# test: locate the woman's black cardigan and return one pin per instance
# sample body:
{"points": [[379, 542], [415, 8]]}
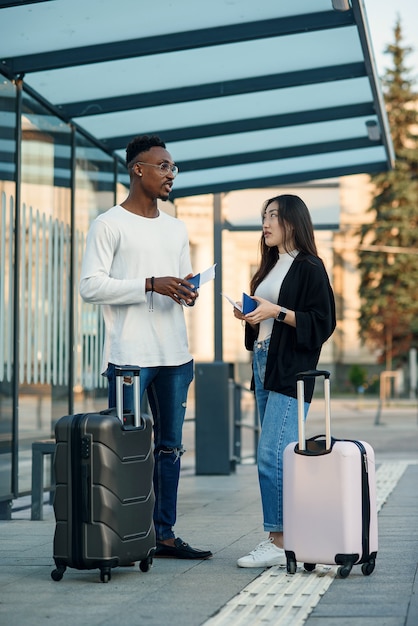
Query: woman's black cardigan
{"points": [[307, 291]]}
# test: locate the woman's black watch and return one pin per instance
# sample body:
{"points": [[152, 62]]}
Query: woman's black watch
{"points": [[281, 315]]}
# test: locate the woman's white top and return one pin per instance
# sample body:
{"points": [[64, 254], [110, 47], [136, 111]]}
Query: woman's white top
{"points": [[270, 287]]}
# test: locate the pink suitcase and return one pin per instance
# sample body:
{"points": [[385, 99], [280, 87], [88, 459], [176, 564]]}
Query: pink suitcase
{"points": [[329, 497]]}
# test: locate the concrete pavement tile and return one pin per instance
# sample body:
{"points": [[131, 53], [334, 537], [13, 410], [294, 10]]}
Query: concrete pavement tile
{"points": [[353, 621], [412, 619], [361, 610]]}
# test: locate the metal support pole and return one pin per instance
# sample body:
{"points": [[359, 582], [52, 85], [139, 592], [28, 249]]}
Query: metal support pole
{"points": [[73, 286], [413, 373], [217, 254], [16, 291]]}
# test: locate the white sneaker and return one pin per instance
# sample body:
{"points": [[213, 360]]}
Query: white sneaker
{"points": [[265, 554]]}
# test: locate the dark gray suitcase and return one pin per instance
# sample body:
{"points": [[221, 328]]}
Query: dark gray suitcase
{"points": [[104, 498]]}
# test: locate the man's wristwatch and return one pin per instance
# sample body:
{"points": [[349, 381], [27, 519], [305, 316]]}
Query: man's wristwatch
{"points": [[281, 315]]}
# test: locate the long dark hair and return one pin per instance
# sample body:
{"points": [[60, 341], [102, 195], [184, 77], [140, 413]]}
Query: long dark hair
{"points": [[292, 213]]}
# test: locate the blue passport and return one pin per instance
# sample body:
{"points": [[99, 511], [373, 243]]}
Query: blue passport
{"points": [[248, 304]]}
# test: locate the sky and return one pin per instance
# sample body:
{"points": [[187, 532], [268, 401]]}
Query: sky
{"points": [[381, 17]]}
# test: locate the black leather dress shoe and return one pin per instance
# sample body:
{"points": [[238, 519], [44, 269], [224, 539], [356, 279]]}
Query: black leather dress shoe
{"points": [[180, 550]]}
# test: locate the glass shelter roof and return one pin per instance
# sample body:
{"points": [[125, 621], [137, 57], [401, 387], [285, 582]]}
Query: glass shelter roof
{"points": [[246, 94]]}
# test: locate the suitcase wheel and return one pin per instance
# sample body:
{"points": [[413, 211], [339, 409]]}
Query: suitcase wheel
{"points": [[145, 564], [58, 573], [368, 568], [309, 567], [105, 574], [344, 571]]}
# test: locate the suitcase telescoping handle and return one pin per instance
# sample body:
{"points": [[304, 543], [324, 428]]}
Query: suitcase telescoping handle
{"points": [[131, 372], [300, 388]]}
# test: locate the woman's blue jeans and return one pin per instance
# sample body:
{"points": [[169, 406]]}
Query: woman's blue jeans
{"points": [[167, 389], [279, 427]]}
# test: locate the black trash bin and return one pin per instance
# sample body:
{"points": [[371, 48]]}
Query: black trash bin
{"points": [[214, 402]]}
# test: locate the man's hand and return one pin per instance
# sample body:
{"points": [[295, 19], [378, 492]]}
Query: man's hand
{"points": [[176, 288]]}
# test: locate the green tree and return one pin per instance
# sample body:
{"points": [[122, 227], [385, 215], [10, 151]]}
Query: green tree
{"points": [[388, 259], [357, 376]]}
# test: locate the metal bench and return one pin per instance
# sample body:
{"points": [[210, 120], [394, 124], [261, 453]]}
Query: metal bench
{"points": [[39, 450]]}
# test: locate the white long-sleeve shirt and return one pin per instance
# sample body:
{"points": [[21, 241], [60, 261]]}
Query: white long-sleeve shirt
{"points": [[122, 250]]}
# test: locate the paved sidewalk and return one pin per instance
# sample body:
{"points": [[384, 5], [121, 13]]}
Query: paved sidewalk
{"points": [[223, 513]]}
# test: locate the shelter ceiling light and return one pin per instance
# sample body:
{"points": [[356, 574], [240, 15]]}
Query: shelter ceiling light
{"points": [[373, 130], [341, 5]]}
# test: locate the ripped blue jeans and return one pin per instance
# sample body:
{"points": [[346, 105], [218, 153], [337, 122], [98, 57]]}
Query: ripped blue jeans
{"points": [[167, 389]]}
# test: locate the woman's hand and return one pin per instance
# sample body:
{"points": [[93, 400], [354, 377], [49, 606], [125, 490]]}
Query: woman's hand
{"points": [[237, 313], [265, 310]]}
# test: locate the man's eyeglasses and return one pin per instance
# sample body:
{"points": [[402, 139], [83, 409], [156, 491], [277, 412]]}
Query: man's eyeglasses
{"points": [[164, 167]]}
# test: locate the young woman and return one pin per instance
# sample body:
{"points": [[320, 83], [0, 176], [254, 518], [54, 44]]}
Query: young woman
{"points": [[294, 317]]}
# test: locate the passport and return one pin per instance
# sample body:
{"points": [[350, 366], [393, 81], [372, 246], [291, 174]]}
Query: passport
{"points": [[248, 304]]}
